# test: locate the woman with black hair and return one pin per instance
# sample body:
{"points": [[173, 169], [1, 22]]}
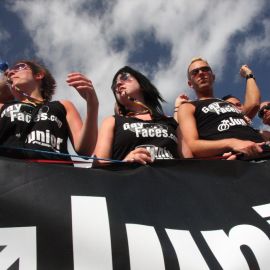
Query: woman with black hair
{"points": [[139, 131]]}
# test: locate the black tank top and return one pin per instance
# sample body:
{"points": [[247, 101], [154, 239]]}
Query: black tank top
{"points": [[158, 136], [217, 119], [43, 127]]}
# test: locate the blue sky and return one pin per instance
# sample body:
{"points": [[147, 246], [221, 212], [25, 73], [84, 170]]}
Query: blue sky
{"points": [[158, 37]]}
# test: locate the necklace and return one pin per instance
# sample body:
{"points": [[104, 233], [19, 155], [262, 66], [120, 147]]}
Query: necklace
{"points": [[138, 112], [139, 103], [29, 99]]}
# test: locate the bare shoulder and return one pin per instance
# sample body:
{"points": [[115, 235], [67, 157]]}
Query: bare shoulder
{"points": [[186, 108], [108, 121], [67, 104]]}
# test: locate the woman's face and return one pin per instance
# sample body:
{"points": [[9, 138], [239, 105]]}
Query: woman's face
{"points": [[21, 75], [126, 86]]}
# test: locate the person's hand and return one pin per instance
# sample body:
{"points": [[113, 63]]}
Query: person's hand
{"points": [[139, 155], [245, 71], [180, 100], [229, 156], [83, 85], [5, 90], [248, 148]]}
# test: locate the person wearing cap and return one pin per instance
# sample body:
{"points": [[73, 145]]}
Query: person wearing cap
{"points": [[34, 126], [211, 126], [139, 131]]}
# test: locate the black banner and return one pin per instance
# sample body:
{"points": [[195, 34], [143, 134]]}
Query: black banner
{"points": [[186, 214]]}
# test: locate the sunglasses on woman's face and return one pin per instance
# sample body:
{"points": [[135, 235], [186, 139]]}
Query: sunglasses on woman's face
{"points": [[122, 77], [261, 111], [195, 72], [19, 67]]}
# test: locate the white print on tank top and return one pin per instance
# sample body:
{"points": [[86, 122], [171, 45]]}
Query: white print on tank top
{"points": [[226, 123], [15, 112], [216, 108], [42, 115], [157, 152], [149, 130], [45, 139]]}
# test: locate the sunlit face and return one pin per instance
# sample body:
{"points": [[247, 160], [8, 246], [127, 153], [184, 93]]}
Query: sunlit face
{"points": [[200, 76], [236, 102], [126, 86], [20, 73], [264, 112]]}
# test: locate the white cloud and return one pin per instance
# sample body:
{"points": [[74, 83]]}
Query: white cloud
{"points": [[252, 46], [68, 36]]}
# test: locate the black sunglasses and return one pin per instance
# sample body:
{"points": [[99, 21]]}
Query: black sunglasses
{"points": [[124, 76], [261, 111], [196, 71]]}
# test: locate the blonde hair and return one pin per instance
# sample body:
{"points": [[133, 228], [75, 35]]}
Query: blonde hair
{"points": [[195, 59]]}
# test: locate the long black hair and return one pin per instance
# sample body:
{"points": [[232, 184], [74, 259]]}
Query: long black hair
{"points": [[152, 97]]}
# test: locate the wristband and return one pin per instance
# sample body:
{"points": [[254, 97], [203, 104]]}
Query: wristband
{"points": [[250, 76]]}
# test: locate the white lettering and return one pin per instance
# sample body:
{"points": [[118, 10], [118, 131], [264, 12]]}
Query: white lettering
{"points": [[227, 248], [188, 255], [20, 243], [144, 248], [91, 233], [45, 139], [263, 211]]}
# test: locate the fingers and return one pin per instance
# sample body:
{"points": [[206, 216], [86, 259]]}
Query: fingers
{"points": [[139, 155], [77, 80], [83, 85], [245, 70], [181, 99], [183, 96], [253, 149]]}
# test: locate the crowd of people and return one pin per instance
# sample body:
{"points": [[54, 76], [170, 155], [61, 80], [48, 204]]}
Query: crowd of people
{"points": [[32, 126]]}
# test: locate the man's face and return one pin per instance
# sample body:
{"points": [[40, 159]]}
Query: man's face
{"points": [[236, 102], [264, 112], [200, 76]]}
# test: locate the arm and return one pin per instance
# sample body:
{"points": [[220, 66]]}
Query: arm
{"points": [[178, 102], [83, 136], [252, 95], [5, 93], [105, 139], [209, 148], [182, 147]]}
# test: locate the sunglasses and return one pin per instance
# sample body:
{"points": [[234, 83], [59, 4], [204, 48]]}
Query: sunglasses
{"points": [[123, 77], [19, 67], [261, 111], [196, 71]]}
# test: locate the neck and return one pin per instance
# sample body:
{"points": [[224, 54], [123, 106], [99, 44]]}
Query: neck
{"points": [[205, 94], [34, 98], [137, 106]]}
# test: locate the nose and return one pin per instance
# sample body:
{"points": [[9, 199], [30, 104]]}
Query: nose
{"points": [[200, 72], [10, 73], [118, 84]]}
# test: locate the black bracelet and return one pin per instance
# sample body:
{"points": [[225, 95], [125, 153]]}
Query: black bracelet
{"points": [[249, 76]]}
